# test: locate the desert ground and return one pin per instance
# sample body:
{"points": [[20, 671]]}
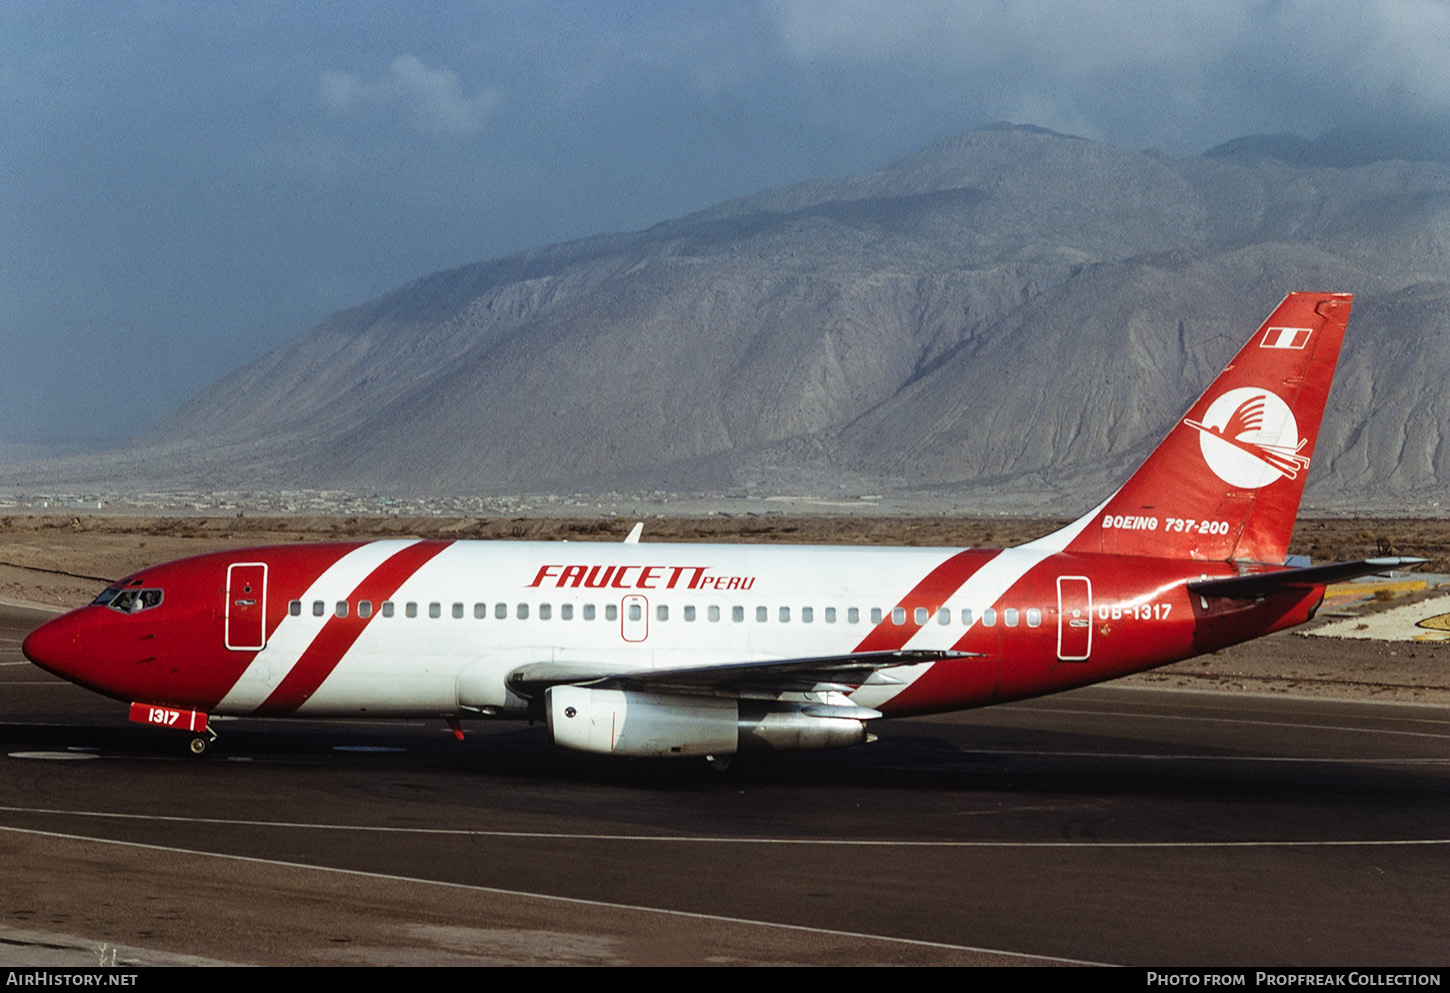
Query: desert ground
{"points": [[62, 561]]}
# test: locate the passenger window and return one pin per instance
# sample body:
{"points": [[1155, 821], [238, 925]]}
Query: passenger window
{"points": [[480, 611], [341, 609], [830, 615], [853, 615], [662, 613], [387, 608], [294, 608], [410, 609], [435, 609], [1034, 617], [364, 608], [1009, 617], [589, 611], [898, 615], [737, 614], [920, 615], [989, 618], [545, 611], [522, 613], [785, 615], [566, 611], [611, 612], [714, 613], [690, 613], [875, 615], [501, 611], [967, 616], [634, 612], [808, 614], [458, 610], [762, 614], [943, 616], [318, 608]]}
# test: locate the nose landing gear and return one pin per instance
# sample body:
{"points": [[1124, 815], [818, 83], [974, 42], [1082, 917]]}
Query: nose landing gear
{"points": [[201, 744], [195, 721]]}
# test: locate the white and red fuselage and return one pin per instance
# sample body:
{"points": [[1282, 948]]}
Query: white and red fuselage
{"points": [[431, 628], [672, 648]]}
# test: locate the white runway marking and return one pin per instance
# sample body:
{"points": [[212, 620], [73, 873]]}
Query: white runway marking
{"points": [[719, 840], [1158, 757], [368, 749], [1181, 718], [391, 877]]}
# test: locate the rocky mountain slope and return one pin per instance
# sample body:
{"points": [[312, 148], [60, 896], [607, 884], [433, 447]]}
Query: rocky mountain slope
{"points": [[1009, 313]]}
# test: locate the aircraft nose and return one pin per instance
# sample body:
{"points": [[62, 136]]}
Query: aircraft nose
{"points": [[52, 646]]}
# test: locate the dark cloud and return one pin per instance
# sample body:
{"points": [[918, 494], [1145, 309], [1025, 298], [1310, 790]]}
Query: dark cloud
{"points": [[184, 186]]}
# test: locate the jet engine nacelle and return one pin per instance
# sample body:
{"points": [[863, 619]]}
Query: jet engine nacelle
{"points": [[671, 725], [623, 722]]}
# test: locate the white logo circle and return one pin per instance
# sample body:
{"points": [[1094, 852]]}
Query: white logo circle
{"points": [[1249, 438]]}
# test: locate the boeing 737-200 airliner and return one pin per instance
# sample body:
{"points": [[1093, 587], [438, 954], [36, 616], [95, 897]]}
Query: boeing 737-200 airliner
{"points": [[707, 650]]}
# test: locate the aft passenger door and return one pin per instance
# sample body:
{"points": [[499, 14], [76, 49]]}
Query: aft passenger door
{"points": [[1074, 618]]}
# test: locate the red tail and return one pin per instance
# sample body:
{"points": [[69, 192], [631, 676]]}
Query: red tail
{"points": [[1226, 482]]}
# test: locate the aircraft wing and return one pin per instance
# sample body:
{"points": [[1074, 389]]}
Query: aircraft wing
{"points": [[775, 675], [1258, 584]]}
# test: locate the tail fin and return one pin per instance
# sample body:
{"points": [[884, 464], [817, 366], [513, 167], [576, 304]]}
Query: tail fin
{"points": [[1226, 482]]}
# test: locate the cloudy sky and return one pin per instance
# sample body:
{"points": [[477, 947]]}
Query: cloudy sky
{"points": [[185, 185]]}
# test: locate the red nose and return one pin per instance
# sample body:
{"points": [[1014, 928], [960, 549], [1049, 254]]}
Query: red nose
{"points": [[52, 646], [81, 647]]}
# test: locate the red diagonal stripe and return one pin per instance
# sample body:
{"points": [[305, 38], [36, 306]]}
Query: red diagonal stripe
{"points": [[930, 593], [340, 633]]}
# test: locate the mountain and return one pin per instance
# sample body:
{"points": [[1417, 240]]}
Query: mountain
{"points": [[1014, 314]]}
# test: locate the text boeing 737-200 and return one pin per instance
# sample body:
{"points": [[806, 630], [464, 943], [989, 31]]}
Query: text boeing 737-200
{"points": [[706, 650]]}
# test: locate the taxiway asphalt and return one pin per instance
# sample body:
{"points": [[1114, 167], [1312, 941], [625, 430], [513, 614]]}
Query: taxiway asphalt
{"points": [[1107, 825]]}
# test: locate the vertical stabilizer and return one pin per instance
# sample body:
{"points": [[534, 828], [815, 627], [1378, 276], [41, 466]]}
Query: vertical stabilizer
{"points": [[1226, 482]]}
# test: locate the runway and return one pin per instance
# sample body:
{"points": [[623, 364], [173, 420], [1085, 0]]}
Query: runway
{"points": [[1108, 825]]}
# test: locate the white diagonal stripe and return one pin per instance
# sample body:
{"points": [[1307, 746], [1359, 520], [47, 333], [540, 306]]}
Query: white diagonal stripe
{"points": [[286, 645]]}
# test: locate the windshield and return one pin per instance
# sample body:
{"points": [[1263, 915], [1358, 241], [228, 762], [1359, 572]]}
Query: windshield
{"points": [[128, 601]]}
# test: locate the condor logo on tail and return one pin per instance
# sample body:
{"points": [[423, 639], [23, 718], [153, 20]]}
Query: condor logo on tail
{"points": [[1249, 438]]}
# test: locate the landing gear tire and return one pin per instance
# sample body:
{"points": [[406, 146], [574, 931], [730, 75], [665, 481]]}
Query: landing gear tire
{"points": [[199, 746], [718, 763]]}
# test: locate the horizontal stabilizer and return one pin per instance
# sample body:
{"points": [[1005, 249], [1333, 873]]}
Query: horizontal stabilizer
{"points": [[1259, 584]]}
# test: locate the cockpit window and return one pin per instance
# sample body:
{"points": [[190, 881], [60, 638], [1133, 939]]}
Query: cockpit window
{"points": [[129, 601], [106, 596]]}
